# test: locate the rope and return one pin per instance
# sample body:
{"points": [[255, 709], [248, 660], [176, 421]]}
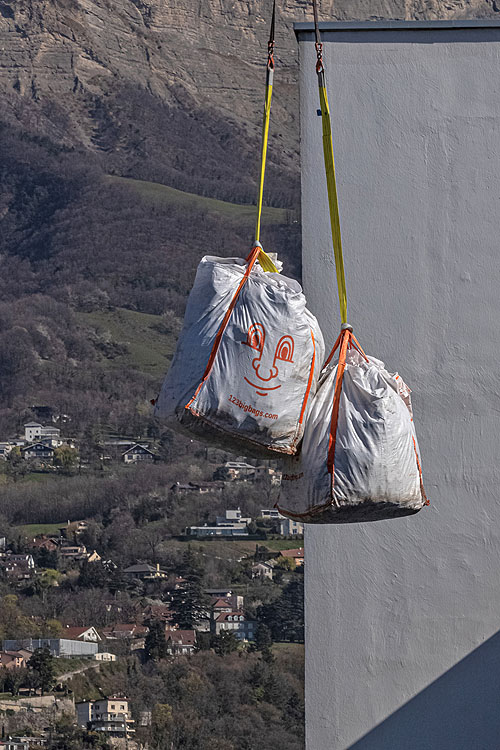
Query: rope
{"points": [[331, 182], [265, 123]]}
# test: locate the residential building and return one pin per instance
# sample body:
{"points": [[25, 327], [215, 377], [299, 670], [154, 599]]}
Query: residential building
{"points": [[233, 470], [294, 554], [232, 518], [104, 656], [51, 436], [73, 529], [181, 642], [160, 612], [82, 634], [221, 605], [73, 552], [17, 566], [225, 531], [58, 647], [32, 431], [227, 603], [12, 659], [5, 449], [137, 453], [235, 622], [230, 524], [13, 745], [271, 514], [291, 528], [124, 630], [28, 742], [201, 488], [43, 542], [222, 592], [24, 560], [263, 570], [110, 715], [39, 452], [145, 572]]}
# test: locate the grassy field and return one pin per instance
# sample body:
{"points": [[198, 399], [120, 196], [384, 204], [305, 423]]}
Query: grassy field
{"points": [[227, 549], [147, 348], [155, 192], [34, 529]]}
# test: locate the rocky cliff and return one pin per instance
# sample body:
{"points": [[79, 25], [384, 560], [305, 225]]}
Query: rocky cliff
{"points": [[171, 84]]}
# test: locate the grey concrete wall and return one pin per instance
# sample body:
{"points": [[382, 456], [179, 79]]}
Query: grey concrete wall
{"points": [[396, 611]]}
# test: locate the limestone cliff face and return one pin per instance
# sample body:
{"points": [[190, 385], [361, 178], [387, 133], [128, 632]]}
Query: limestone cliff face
{"points": [[113, 75]]}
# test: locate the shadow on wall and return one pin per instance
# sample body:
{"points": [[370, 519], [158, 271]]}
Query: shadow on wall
{"points": [[459, 711]]}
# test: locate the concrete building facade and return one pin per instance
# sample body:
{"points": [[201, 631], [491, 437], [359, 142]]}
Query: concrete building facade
{"points": [[403, 616]]}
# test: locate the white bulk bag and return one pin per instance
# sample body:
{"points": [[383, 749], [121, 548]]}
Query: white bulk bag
{"points": [[359, 458], [247, 360]]}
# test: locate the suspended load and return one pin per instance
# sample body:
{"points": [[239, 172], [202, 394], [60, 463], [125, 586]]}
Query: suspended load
{"points": [[250, 353], [247, 360], [359, 458]]}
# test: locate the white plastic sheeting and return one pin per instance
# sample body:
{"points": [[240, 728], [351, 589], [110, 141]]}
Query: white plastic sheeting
{"points": [[376, 466], [248, 390]]}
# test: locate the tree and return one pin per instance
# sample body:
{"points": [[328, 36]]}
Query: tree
{"points": [[42, 664], [225, 643], [65, 457], [263, 638], [188, 602], [285, 616], [155, 644], [188, 605], [15, 679], [162, 722], [17, 466]]}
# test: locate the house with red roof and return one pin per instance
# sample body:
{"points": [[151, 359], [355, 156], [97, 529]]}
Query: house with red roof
{"points": [[181, 642], [81, 634], [294, 554]]}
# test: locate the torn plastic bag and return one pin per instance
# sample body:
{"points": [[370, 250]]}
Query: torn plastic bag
{"points": [[247, 360], [359, 458]]}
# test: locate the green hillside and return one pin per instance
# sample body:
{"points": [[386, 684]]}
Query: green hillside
{"points": [[144, 342], [163, 194]]}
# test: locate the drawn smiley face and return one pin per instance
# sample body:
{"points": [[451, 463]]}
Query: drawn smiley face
{"points": [[266, 360]]}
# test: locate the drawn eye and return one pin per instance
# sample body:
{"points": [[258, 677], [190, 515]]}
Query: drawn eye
{"points": [[256, 337], [284, 350]]}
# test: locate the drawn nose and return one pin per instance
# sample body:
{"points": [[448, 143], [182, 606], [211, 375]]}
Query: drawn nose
{"points": [[263, 372]]}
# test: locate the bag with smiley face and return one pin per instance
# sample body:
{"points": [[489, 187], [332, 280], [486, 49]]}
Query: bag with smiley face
{"points": [[247, 360]]}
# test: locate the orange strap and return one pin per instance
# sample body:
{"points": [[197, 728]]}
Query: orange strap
{"points": [[310, 379], [343, 341], [426, 499], [250, 264]]}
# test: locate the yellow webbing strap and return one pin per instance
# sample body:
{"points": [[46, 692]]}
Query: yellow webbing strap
{"points": [[263, 155], [264, 259], [331, 182], [333, 202]]}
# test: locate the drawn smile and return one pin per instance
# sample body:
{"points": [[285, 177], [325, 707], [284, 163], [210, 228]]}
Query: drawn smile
{"points": [[260, 387]]}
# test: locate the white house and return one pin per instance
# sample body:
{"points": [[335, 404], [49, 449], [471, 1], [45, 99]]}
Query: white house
{"points": [[271, 514], [110, 715], [32, 431], [235, 622], [263, 569], [232, 518], [291, 528], [82, 634], [137, 453]]}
